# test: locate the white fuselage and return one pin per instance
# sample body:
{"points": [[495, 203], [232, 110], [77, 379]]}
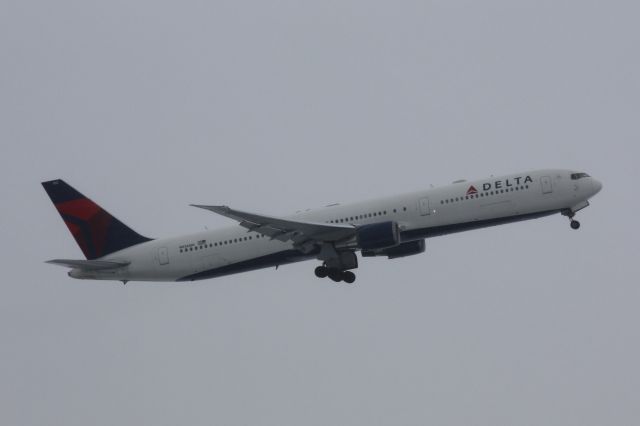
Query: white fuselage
{"points": [[422, 214]]}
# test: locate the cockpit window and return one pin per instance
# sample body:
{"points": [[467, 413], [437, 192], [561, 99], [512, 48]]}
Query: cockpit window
{"points": [[576, 176]]}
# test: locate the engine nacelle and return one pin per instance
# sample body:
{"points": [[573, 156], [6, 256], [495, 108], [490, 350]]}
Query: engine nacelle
{"points": [[405, 249], [378, 236]]}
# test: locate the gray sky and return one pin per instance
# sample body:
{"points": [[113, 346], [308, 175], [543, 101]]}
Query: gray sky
{"points": [[147, 106]]}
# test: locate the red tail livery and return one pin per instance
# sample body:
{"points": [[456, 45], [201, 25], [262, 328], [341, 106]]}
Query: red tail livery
{"points": [[94, 229]]}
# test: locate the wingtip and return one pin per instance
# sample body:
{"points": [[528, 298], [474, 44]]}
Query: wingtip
{"points": [[214, 208]]}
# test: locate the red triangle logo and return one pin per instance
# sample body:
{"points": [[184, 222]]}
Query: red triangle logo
{"points": [[472, 190]]}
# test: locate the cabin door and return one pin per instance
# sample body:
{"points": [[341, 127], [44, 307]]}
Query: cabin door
{"points": [[163, 256], [546, 184], [423, 206]]}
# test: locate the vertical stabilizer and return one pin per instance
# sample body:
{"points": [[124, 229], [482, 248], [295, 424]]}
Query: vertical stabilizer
{"points": [[94, 229]]}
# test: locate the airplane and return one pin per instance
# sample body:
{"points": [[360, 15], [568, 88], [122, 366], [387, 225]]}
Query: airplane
{"points": [[393, 227]]}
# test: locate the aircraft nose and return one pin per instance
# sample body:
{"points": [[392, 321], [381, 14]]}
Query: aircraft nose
{"points": [[597, 186]]}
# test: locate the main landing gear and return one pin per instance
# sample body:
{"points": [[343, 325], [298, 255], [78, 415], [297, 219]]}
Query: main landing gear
{"points": [[336, 265], [335, 274]]}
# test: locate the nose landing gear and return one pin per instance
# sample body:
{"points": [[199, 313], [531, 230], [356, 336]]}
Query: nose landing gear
{"points": [[571, 212], [574, 223]]}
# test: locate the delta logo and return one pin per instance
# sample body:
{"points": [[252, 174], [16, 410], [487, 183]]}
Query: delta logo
{"points": [[501, 184], [507, 183]]}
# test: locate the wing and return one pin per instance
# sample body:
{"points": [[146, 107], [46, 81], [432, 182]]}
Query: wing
{"points": [[298, 232], [88, 265]]}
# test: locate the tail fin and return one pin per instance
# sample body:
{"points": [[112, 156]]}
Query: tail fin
{"points": [[94, 229]]}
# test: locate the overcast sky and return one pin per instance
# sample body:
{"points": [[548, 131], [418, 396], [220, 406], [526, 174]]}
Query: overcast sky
{"points": [[147, 106]]}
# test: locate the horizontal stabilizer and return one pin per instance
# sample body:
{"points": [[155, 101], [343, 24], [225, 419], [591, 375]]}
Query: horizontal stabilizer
{"points": [[88, 265]]}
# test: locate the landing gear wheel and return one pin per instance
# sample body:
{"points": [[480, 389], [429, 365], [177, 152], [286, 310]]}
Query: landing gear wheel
{"points": [[321, 271], [348, 277], [575, 224], [335, 275]]}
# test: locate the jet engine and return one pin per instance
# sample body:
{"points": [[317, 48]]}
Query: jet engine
{"points": [[378, 236], [405, 249]]}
